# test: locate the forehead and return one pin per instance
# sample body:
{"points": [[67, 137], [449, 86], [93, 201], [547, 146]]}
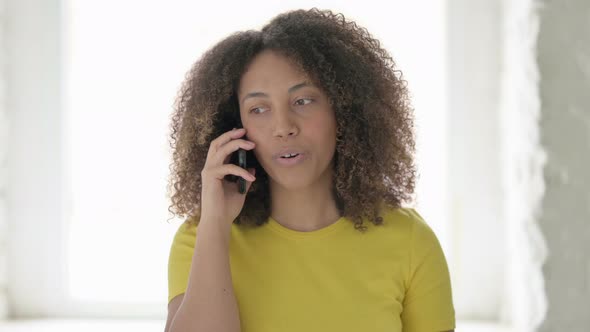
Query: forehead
{"points": [[270, 69]]}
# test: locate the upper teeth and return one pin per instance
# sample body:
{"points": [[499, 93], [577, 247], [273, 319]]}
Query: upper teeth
{"points": [[289, 155]]}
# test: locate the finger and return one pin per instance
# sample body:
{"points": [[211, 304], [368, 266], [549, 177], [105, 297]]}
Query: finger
{"points": [[227, 137], [231, 169], [224, 154], [222, 139], [248, 186], [249, 183], [252, 171]]}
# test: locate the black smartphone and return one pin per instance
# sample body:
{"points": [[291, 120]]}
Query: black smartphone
{"points": [[238, 158], [242, 164]]}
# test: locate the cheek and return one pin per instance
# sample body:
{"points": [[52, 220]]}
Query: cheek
{"points": [[326, 126], [254, 134]]}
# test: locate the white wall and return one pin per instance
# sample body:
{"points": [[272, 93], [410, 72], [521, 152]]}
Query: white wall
{"points": [[476, 207], [34, 158]]}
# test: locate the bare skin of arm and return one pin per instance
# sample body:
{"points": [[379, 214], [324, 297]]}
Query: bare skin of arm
{"points": [[172, 309], [209, 303]]}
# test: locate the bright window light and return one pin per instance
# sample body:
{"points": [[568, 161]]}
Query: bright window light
{"points": [[125, 62]]}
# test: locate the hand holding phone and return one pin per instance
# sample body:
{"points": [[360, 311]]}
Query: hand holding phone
{"points": [[219, 199]]}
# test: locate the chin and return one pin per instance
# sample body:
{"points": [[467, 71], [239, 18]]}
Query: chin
{"points": [[291, 182]]}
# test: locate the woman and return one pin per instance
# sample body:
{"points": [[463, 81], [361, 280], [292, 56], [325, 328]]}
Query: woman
{"points": [[320, 241]]}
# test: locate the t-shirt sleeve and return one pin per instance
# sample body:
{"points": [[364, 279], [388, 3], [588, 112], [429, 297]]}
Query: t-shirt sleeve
{"points": [[180, 259], [428, 303]]}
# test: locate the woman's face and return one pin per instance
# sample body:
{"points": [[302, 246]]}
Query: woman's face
{"points": [[281, 109]]}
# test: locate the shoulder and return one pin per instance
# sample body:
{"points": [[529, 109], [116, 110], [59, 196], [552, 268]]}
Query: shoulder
{"points": [[185, 236], [402, 214], [185, 229], [411, 225], [406, 218]]}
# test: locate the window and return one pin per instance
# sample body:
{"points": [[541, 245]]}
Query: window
{"points": [[118, 73]]}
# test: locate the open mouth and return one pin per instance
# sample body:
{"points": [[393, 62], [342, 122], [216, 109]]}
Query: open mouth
{"points": [[290, 156], [291, 160]]}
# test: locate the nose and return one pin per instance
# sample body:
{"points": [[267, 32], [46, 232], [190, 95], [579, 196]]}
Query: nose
{"points": [[284, 125]]}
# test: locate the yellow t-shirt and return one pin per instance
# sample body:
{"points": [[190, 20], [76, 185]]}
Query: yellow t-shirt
{"points": [[394, 277]]}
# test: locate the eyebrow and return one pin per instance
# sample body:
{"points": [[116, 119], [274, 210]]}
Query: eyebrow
{"points": [[290, 90]]}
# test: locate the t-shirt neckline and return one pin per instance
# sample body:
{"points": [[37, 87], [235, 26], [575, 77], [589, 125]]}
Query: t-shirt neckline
{"points": [[294, 234]]}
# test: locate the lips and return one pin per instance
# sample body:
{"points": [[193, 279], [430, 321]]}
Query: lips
{"points": [[286, 151]]}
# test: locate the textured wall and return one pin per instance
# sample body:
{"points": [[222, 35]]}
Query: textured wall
{"points": [[564, 64], [3, 148]]}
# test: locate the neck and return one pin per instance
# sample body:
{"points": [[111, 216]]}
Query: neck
{"points": [[304, 209]]}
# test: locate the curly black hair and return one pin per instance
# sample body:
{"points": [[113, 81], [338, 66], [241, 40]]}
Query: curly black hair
{"points": [[375, 146]]}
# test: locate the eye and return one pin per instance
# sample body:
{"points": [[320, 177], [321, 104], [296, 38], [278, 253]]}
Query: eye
{"points": [[254, 109], [299, 104]]}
